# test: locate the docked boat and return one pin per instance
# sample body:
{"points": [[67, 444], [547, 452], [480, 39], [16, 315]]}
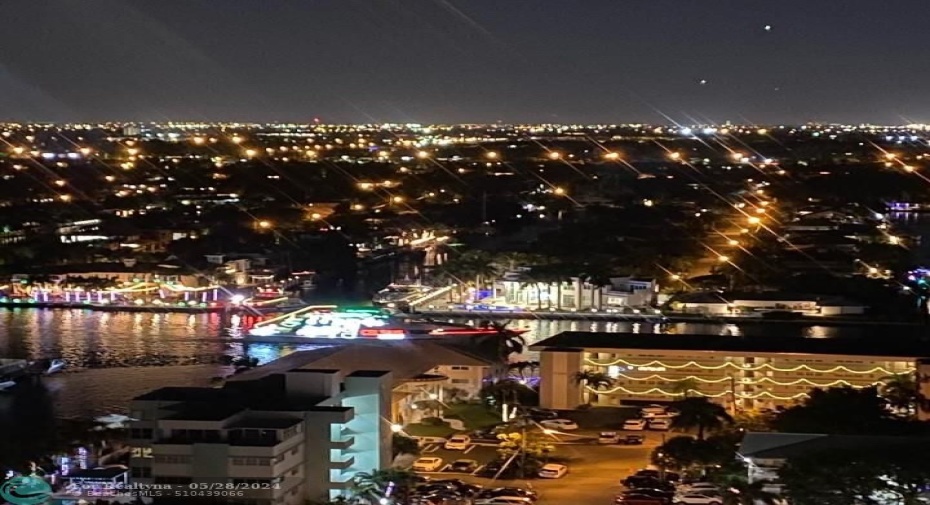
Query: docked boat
{"points": [[327, 323], [55, 366], [4, 385], [399, 295]]}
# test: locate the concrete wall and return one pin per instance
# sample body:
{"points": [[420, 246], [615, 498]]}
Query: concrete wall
{"points": [[558, 389]]}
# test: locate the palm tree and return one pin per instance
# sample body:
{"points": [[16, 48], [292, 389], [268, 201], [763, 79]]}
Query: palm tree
{"points": [[701, 413], [685, 387], [594, 380], [507, 391], [393, 483], [901, 391], [506, 343], [481, 265], [519, 367]]}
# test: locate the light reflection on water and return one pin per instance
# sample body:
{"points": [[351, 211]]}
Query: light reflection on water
{"points": [[114, 356]]}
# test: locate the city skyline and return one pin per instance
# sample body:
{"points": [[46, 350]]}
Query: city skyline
{"points": [[453, 62]]}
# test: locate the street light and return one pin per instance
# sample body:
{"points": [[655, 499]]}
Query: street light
{"points": [[723, 259], [753, 220], [263, 224], [559, 191], [612, 156], [554, 155]]}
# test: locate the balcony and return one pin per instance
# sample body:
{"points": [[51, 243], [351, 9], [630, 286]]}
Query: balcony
{"points": [[342, 444], [344, 464]]}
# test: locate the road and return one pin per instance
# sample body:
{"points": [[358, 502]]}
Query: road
{"points": [[593, 479]]}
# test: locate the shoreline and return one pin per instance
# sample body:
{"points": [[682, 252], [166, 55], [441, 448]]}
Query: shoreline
{"points": [[111, 308], [653, 318], [494, 315]]}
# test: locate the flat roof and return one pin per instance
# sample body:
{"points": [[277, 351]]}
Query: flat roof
{"points": [[266, 423], [908, 347], [793, 445]]}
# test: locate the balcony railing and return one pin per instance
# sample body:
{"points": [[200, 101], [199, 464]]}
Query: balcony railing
{"points": [[344, 464], [343, 444]]}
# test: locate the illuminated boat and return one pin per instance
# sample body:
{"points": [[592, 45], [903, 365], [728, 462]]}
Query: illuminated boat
{"points": [[330, 322]]}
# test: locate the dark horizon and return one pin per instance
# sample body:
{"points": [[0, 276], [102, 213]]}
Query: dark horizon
{"points": [[453, 62]]}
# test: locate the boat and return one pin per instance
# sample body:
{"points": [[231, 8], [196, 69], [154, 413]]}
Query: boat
{"points": [[55, 366], [4, 385], [397, 295], [328, 323]]}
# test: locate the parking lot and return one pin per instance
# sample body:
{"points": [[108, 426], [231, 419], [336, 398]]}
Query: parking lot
{"points": [[594, 474]]}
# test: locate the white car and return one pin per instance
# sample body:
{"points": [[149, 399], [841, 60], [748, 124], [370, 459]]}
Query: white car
{"points": [[553, 471], [559, 424], [698, 499], [652, 409], [427, 465], [423, 441], [701, 487], [457, 443], [660, 424], [634, 424]]}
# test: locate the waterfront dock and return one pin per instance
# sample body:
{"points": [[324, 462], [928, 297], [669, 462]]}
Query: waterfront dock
{"points": [[645, 317], [114, 307]]}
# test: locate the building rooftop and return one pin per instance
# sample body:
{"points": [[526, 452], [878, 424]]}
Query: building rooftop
{"points": [[178, 394], [905, 347], [266, 423], [789, 445], [404, 359]]}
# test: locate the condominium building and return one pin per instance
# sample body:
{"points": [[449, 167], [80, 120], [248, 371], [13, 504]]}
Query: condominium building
{"points": [[297, 429], [741, 372], [283, 439]]}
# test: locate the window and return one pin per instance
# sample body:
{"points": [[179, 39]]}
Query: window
{"points": [[141, 452], [142, 472], [172, 459], [459, 381], [251, 461], [460, 368]]}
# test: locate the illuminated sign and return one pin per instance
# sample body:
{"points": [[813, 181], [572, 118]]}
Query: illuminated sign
{"points": [[336, 324]]}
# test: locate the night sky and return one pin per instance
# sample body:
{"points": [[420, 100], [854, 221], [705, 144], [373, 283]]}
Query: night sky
{"points": [[445, 61]]}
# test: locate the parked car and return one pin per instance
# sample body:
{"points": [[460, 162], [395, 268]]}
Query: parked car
{"points": [[428, 464], [457, 485], [493, 469], [639, 499], [700, 487], [633, 440], [659, 475], [463, 466], [504, 500], [608, 437], [653, 409], [553, 471], [646, 482], [634, 424], [422, 441], [542, 414], [665, 494], [698, 499], [457, 443], [660, 425], [509, 491], [560, 424]]}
